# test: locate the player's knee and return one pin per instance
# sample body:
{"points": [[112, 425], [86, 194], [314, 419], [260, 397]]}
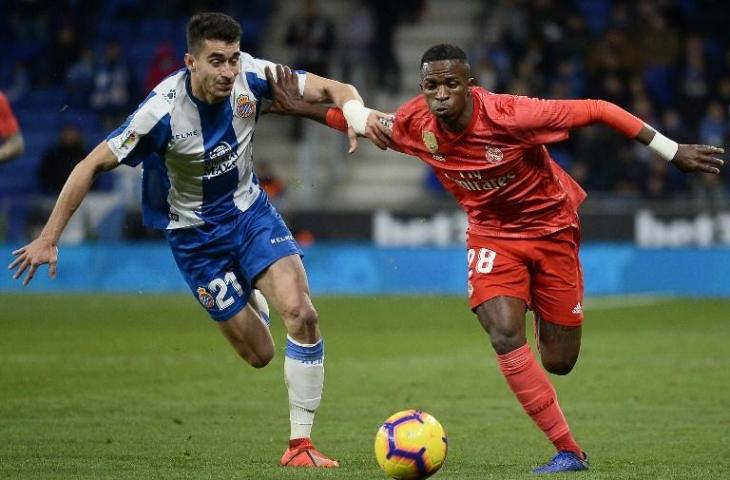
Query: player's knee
{"points": [[302, 317], [506, 337], [559, 366], [506, 343], [258, 359], [258, 362]]}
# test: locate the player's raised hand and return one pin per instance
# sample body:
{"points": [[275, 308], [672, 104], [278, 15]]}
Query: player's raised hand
{"points": [[32, 256], [698, 158], [284, 90]]}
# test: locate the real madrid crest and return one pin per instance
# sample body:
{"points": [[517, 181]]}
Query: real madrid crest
{"points": [[245, 107], [429, 140], [494, 155]]}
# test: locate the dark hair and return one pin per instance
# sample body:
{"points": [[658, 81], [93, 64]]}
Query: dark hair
{"points": [[211, 26], [443, 51]]}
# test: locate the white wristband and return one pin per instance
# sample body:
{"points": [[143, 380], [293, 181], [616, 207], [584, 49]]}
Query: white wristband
{"points": [[663, 146], [356, 115]]}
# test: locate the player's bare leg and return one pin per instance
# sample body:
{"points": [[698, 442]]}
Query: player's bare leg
{"points": [[504, 319], [285, 285], [250, 337], [559, 345]]}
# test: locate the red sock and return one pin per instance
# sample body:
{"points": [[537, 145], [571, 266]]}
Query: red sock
{"points": [[534, 391]]}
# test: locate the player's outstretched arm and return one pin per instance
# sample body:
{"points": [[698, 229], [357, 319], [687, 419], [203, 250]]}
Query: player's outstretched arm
{"points": [[364, 121], [579, 113], [287, 101], [44, 249]]}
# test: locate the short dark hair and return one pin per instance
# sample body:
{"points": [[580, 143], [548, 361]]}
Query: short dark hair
{"points": [[443, 51], [211, 26]]}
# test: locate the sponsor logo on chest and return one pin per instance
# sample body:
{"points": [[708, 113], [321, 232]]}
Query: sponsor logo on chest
{"points": [[475, 181], [220, 160]]}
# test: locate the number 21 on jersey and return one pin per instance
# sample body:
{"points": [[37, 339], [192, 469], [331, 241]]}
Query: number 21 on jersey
{"points": [[483, 261]]}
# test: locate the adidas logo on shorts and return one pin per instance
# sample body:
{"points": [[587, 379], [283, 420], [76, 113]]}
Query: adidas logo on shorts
{"points": [[578, 309]]}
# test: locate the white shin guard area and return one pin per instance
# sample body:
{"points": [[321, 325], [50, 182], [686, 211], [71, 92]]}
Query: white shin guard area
{"points": [[304, 375]]}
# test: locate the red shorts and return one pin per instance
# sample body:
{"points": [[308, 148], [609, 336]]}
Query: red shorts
{"points": [[545, 272]]}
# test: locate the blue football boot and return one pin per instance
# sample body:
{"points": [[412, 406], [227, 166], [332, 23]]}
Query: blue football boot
{"points": [[564, 462]]}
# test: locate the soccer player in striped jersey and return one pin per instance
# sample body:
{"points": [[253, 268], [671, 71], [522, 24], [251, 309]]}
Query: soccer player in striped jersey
{"points": [[193, 135], [488, 150]]}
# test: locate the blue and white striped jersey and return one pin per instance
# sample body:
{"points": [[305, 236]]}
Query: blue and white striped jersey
{"points": [[197, 158]]}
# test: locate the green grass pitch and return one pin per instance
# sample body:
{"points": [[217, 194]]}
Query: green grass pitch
{"points": [[144, 387]]}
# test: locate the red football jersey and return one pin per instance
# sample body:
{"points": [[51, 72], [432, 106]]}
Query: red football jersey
{"points": [[8, 123], [498, 168]]}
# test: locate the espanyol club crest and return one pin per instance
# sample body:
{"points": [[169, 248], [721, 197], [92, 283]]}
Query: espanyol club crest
{"points": [[206, 299], [245, 107], [494, 155]]}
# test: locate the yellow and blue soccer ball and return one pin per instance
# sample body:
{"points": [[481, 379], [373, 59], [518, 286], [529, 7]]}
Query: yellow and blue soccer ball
{"points": [[411, 445]]}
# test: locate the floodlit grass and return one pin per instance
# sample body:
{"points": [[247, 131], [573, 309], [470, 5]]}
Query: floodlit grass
{"points": [[144, 387]]}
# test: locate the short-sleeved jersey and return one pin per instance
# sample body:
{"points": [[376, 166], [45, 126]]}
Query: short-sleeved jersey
{"points": [[8, 122], [197, 157], [498, 168]]}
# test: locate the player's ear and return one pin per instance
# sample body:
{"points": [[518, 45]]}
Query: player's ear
{"points": [[190, 62], [471, 82]]}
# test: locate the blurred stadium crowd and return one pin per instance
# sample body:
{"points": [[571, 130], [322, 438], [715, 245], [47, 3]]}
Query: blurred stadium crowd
{"points": [[668, 62], [74, 69]]}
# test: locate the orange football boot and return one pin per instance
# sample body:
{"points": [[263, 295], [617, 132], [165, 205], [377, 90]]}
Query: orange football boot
{"points": [[301, 453]]}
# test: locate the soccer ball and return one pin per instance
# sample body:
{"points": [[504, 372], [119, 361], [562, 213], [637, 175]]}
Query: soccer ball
{"points": [[410, 445]]}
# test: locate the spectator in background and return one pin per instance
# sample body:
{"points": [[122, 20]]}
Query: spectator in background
{"points": [[713, 127], [11, 138], [111, 94], [66, 50], [60, 158], [80, 80], [311, 36], [18, 81], [163, 64], [356, 41], [694, 81], [387, 66]]}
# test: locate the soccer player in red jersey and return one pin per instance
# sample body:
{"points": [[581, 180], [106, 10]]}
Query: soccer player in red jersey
{"points": [[11, 139], [489, 151]]}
